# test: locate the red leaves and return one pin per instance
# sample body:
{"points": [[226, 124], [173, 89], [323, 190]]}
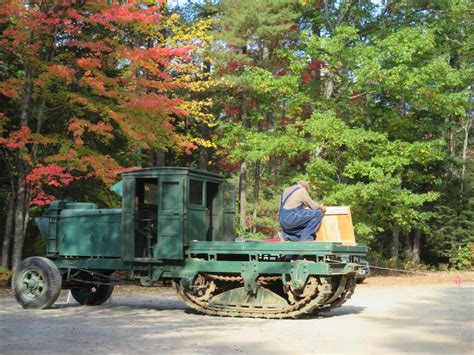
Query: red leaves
{"points": [[232, 111], [127, 13], [51, 175], [231, 67], [159, 55], [46, 175], [314, 72]]}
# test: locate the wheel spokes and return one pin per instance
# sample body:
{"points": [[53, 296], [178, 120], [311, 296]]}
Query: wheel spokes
{"points": [[33, 283]]}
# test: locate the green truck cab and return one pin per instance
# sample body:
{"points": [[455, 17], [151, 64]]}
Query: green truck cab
{"points": [[163, 210], [178, 224]]}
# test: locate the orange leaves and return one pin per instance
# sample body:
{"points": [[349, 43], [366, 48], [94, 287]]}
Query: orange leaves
{"points": [[88, 63], [8, 10], [101, 128], [21, 138], [13, 37], [188, 146], [157, 103], [96, 47], [17, 139], [69, 156], [159, 55], [52, 71], [77, 127], [102, 167], [97, 86], [10, 87], [63, 72]]}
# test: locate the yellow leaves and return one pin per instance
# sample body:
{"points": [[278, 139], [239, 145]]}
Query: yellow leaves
{"points": [[203, 143], [174, 17], [197, 35], [196, 84], [199, 110]]}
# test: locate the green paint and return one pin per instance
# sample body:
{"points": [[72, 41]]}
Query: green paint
{"points": [[168, 229]]}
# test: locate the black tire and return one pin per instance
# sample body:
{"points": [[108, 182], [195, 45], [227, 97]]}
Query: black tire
{"points": [[36, 283], [92, 295]]}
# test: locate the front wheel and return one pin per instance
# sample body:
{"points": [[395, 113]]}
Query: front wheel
{"points": [[36, 283], [90, 294]]}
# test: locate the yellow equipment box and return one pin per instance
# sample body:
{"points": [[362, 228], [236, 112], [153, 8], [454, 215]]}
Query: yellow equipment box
{"points": [[337, 226]]}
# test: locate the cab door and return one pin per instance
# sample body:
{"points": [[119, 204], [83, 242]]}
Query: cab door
{"points": [[196, 210], [170, 220], [139, 218]]}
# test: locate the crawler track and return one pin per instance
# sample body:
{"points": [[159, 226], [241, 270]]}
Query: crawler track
{"points": [[319, 294]]}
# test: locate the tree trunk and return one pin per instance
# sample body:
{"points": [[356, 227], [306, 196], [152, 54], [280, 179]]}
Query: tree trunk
{"points": [[243, 165], [467, 128], [416, 247], [204, 127], [40, 118], [243, 195], [395, 241], [452, 142], [328, 86], [409, 247], [7, 237], [20, 219], [28, 87], [256, 193], [158, 157], [22, 204], [139, 152], [204, 152]]}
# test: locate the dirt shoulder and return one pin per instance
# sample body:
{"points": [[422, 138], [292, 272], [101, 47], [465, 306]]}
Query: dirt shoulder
{"points": [[420, 278]]}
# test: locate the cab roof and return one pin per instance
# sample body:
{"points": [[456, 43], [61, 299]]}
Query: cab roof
{"points": [[170, 170]]}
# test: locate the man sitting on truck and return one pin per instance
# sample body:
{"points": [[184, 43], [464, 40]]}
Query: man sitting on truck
{"points": [[300, 216]]}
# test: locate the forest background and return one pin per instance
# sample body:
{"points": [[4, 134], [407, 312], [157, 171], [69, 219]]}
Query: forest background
{"points": [[369, 101]]}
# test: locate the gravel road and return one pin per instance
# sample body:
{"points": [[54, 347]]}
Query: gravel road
{"points": [[377, 320]]}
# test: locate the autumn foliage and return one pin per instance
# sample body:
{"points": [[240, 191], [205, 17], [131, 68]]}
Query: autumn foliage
{"points": [[85, 75], [87, 88]]}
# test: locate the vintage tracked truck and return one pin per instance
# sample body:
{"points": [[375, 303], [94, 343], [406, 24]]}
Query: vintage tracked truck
{"points": [[177, 224]]}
